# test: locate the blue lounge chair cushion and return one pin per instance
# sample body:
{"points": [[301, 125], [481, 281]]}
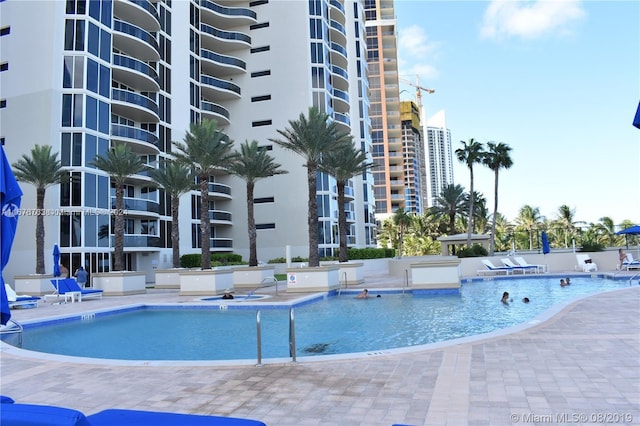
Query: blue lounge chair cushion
{"points": [[40, 415], [6, 400], [134, 417], [70, 285]]}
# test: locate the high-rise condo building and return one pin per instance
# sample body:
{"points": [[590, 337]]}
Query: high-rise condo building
{"points": [[413, 152], [439, 155], [84, 75]]}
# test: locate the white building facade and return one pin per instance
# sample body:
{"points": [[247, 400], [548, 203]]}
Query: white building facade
{"points": [[439, 155], [140, 72]]}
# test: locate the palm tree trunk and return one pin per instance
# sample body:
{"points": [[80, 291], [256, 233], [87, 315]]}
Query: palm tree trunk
{"points": [[175, 230], [312, 218], [251, 227], [118, 252], [205, 226], [471, 202], [495, 212], [40, 231], [342, 223]]}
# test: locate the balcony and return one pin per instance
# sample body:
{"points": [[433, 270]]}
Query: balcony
{"points": [[220, 217], [338, 32], [340, 77], [223, 41], [217, 89], [139, 12], [142, 241], [134, 106], [338, 55], [216, 112], [231, 16], [135, 73], [221, 65], [336, 10], [145, 141], [220, 190], [221, 243], [134, 206], [135, 41], [340, 100]]}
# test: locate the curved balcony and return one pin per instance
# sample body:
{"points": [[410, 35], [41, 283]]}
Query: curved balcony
{"points": [[138, 206], [340, 100], [145, 141], [215, 111], [338, 32], [221, 243], [336, 10], [340, 77], [220, 190], [228, 16], [135, 73], [220, 217], [135, 41], [223, 41], [139, 12], [142, 241], [221, 65], [338, 55], [134, 106], [217, 89]]}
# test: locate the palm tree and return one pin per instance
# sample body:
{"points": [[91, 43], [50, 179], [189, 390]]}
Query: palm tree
{"points": [[206, 150], [42, 169], [119, 163], [176, 179], [608, 229], [471, 153], [449, 203], [401, 219], [312, 137], [497, 157], [565, 221], [254, 163], [344, 163], [529, 219]]}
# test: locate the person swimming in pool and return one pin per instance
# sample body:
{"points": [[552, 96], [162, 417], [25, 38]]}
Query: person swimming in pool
{"points": [[227, 294], [363, 294], [525, 300], [505, 298]]}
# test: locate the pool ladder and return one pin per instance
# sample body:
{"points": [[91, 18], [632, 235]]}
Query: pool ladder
{"points": [[346, 283], [12, 328], [292, 337], [262, 284]]}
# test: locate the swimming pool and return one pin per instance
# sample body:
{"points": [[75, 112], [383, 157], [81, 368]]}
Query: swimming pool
{"points": [[324, 325]]}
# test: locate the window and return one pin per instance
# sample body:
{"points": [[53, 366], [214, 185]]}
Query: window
{"points": [[258, 26], [265, 226], [3, 103], [73, 72], [261, 123], [258, 3], [74, 35], [5, 31], [260, 49], [72, 110], [4, 66], [261, 98], [263, 200], [260, 73]]}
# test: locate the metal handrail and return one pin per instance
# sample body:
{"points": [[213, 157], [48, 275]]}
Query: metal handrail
{"points": [[259, 338], [264, 280], [632, 277], [292, 335], [406, 280], [15, 328]]}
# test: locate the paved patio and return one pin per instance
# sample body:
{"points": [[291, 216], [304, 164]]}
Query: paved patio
{"points": [[580, 366]]}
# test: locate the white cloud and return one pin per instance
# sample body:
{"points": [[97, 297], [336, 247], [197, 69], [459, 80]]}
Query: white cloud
{"points": [[416, 53], [530, 19]]}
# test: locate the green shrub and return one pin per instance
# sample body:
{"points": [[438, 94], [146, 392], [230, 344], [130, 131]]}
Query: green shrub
{"points": [[217, 259], [589, 246], [370, 253], [474, 251], [283, 260]]}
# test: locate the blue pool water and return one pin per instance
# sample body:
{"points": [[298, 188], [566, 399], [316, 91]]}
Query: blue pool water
{"points": [[331, 325]]}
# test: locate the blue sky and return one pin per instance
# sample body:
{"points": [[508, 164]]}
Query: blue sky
{"points": [[558, 81]]}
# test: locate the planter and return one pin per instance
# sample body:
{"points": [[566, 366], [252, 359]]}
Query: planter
{"points": [[437, 273], [209, 282], [120, 283], [168, 278], [33, 285], [306, 280], [252, 276]]}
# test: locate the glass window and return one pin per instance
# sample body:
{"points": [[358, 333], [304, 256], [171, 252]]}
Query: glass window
{"points": [[65, 151], [66, 110], [105, 46], [92, 75], [90, 150], [106, 13], [90, 190], [91, 230], [94, 39], [78, 72], [77, 110], [65, 225], [94, 9], [92, 113], [77, 150], [105, 81], [103, 116], [67, 72], [103, 191]]}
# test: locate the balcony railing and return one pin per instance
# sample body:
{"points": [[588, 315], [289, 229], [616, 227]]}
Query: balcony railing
{"points": [[219, 188], [136, 32], [225, 35], [222, 59], [221, 242], [134, 98], [136, 65], [138, 204], [139, 241], [229, 11], [129, 132], [220, 84], [219, 215], [148, 6]]}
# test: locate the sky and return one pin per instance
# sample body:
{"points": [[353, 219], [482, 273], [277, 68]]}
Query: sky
{"points": [[557, 81]]}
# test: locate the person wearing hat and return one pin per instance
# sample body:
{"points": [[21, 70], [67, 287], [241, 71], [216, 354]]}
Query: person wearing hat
{"points": [[227, 294]]}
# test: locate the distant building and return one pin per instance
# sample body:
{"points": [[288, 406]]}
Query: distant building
{"points": [[415, 175], [439, 155]]}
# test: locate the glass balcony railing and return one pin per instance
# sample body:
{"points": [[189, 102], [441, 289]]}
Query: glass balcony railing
{"points": [[341, 94], [337, 5], [225, 35], [134, 98], [340, 71], [339, 27], [136, 65], [136, 32], [229, 11], [220, 188], [139, 241], [138, 204], [337, 48], [221, 242], [214, 108], [342, 118], [148, 6], [130, 132], [222, 59], [220, 84], [219, 215]]}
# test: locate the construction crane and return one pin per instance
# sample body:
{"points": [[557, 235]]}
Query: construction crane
{"points": [[419, 89]]}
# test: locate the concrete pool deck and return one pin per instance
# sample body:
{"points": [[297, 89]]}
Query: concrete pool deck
{"points": [[581, 365]]}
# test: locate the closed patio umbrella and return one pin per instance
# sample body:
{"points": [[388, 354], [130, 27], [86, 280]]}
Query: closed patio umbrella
{"points": [[56, 264], [10, 197], [545, 243]]}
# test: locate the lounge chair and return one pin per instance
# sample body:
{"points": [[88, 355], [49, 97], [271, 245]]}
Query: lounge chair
{"points": [[71, 286], [41, 415], [520, 261], [494, 269], [585, 263], [16, 300], [630, 263], [524, 269]]}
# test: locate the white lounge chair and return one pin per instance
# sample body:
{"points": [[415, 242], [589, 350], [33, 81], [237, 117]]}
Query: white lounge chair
{"points": [[494, 269], [16, 300], [520, 261], [586, 264], [630, 263], [524, 269]]}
